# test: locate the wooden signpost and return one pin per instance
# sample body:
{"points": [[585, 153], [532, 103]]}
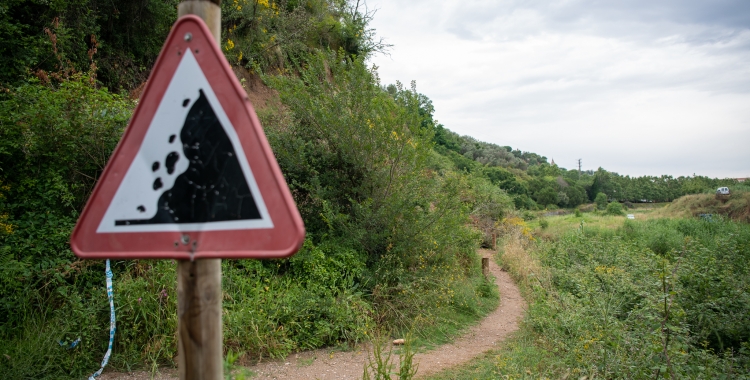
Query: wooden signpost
{"points": [[194, 179], [199, 328]]}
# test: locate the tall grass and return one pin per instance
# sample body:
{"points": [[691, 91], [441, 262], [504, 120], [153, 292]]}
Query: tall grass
{"points": [[649, 299]]}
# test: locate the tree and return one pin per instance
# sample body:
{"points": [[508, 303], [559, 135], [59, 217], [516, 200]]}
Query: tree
{"points": [[601, 201], [505, 180], [546, 196], [606, 182], [576, 195]]}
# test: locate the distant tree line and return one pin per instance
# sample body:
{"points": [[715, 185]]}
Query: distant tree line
{"points": [[534, 183]]}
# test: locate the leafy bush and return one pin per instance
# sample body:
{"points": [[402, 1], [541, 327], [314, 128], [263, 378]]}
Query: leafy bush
{"points": [[305, 302], [54, 142], [121, 40], [525, 202], [546, 196], [268, 35], [562, 199], [601, 201], [576, 195], [356, 158], [506, 180], [615, 208]]}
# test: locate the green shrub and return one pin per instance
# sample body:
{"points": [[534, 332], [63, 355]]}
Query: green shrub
{"points": [[62, 37], [615, 208], [524, 202], [54, 143], [546, 196], [601, 201], [576, 195], [356, 158], [305, 302], [543, 223], [528, 215]]}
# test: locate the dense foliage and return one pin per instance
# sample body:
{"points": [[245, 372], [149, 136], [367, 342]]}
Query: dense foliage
{"points": [[356, 158], [120, 40], [53, 39], [54, 142], [268, 35]]}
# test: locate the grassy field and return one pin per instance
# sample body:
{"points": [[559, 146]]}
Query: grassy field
{"points": [[558, 225], [653, 297]]}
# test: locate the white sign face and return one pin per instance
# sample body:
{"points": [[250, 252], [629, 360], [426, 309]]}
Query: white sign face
{"points": [[190, 172]]}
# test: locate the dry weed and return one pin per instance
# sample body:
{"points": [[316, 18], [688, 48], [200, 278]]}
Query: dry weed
{"points": [[516, 258]]}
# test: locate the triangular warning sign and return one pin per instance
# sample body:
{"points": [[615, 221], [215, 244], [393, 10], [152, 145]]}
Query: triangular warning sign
{"points": [[193, 175]]}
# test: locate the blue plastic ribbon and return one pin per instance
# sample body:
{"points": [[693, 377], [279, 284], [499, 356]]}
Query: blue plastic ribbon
{"points": [[110, 295], [70, 345]]}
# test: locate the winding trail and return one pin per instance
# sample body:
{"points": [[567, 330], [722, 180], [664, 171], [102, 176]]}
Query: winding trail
{"points": [[491, 331], [329, 364]]}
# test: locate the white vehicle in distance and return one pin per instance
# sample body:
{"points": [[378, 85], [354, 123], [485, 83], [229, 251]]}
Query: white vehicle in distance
{"points": [[722, 191]]}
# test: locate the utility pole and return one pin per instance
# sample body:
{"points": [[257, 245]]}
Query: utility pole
{"points": [[199, 330], [579, 167]]}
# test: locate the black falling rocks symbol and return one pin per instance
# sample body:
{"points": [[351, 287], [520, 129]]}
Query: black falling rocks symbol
{"points": [[213, 188]]}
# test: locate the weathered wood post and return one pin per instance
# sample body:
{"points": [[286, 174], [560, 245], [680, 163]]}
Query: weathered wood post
{"points": [[199, 282], [485, 266]]}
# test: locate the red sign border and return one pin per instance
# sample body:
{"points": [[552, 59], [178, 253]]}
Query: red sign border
{"points": [[288, 232]]}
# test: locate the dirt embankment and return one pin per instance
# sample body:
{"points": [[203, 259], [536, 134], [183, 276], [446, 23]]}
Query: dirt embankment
{"points": [[735, 206]]}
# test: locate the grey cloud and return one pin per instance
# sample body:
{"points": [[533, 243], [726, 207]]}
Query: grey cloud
{"points": [[664, 83], [717, 20]]}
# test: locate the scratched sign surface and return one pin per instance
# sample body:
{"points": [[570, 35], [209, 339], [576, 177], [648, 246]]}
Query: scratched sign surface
{"points": [[188, 173], [194, 175]]}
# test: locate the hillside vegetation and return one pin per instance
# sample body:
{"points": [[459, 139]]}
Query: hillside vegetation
{"points": [[534, 183], [395, 205]]}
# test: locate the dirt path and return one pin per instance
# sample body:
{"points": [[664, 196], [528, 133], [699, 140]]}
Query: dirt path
{"points": [[486, 335], [328, 364]]}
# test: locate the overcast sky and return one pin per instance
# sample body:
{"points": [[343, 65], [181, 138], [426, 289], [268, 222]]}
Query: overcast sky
{"points": [[641, 87]]}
